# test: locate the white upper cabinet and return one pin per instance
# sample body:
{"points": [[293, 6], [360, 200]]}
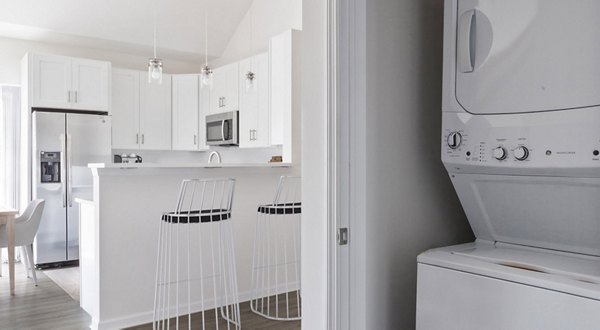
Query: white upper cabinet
{"points": [[254, 102], [203, 110], [516, 56], [59, 82], [155, 114], [125, 109], [50, 81], [224, 95], [185, 112], [90, 84]]}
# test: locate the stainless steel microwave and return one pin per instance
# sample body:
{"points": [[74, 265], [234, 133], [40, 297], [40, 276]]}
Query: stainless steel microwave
{"points": [[222, 129]]}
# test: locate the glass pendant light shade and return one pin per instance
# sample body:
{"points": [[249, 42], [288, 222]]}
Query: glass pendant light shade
{"points": [[206, 77], [155, 70], [250, 81]]}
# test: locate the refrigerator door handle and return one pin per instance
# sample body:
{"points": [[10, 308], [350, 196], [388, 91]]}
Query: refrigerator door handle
{"points": [[70, 171], [63, 178]]}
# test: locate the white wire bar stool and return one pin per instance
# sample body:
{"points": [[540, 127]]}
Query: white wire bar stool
{"points": [[196, 278], [276, 287]]}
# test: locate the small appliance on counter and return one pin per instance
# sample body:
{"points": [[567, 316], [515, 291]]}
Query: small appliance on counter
{"points": [[128, 159]]}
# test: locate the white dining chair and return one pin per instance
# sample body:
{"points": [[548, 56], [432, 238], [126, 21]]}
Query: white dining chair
{"points": [[26, 226]]}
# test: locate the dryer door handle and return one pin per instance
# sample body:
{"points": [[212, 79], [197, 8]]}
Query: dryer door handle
{"points": [[465, 42]]}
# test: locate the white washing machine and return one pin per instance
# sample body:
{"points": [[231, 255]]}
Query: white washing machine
{"points": [[521, 143]]}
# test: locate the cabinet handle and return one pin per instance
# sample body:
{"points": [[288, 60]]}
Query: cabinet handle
{"points": [[137, 138], [254, 135], [223, 101], [75, 96], [142, 138], [68, 96], [195, 139]]}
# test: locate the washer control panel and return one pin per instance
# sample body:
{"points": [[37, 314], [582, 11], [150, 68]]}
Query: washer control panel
{"points": [[570, 139]]}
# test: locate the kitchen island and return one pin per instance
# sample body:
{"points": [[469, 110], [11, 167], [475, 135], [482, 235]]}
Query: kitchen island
{"points": [[119, 231]]}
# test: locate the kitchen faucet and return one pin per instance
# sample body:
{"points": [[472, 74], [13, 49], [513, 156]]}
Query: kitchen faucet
{"points": [[212, 154]]}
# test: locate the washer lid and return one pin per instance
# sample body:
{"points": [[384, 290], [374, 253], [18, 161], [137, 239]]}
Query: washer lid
{"points": [[562, 272], [516, 56]]}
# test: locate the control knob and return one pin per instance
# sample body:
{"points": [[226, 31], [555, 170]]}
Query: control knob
{"points": [[454, 140], [499, 153], [521, 153]]}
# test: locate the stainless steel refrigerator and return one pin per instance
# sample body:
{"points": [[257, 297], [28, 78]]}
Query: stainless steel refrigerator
{"points": [[63, 145]]}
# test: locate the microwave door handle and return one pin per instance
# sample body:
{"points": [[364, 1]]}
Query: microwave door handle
{"points": [[223, 129]]}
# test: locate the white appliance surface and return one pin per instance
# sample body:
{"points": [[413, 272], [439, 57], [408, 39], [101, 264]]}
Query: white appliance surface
{"points": [[515, 56], [521, 144]]}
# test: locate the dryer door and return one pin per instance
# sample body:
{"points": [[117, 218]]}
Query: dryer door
{"points": [[517, 56]]}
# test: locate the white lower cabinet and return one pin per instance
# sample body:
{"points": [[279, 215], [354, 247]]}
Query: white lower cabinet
{"points": [[187, 113], [254, 102], [141, 111]]}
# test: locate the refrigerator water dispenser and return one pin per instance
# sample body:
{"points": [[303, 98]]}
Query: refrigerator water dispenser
{"points": [[50, 167]]}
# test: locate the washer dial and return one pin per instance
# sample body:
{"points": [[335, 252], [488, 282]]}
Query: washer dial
{"points": [[454, 140], [499, 153], [521, 153]]}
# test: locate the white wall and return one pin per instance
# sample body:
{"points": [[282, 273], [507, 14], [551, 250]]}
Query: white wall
{"points": [[270, 18], [13, 50], [314, 166], [410, 202]]}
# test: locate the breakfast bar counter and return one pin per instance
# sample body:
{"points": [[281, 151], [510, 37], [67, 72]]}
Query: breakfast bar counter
{"points": [[120, 227]]}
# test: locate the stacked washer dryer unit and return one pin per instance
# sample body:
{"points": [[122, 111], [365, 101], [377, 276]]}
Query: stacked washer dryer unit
{"points": [[521, 143]]}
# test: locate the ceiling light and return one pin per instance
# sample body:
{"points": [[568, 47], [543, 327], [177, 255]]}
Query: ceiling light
{"points": [[155, 65], [250, 75], [206, 73]]}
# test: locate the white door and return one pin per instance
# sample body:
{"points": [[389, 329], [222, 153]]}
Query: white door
{"points": [[280, 53], [517, 56], [254, 102], [224, 95], [203, 110], [125, 109], [51, 81], [155, 114], [90, 84], [185, 112]]}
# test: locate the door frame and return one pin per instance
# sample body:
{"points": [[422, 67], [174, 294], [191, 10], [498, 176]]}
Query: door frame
{"points": [[346, 165]]}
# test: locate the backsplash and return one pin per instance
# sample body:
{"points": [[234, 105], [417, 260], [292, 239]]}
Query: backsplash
{"points": [[228, 155]]}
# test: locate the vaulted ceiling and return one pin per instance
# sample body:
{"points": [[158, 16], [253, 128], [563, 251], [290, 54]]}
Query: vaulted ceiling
{"points": [[126, 25]]}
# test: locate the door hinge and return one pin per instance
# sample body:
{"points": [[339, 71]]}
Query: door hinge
{"points": [[342, 236]]}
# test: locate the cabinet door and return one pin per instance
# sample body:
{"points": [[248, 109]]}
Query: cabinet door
{"points": [[155, 114], [185, 112], [90, 84], [281, 84], [224, 95], [254, 102], [203, 110], [231, 101], [51, 81], [125, 109]]}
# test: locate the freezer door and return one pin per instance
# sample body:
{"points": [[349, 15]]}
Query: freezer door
{"points": [[88, 141], [49, 136]]}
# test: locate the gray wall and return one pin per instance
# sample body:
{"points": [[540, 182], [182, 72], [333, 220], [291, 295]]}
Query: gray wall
{"points": [[411, 204]]}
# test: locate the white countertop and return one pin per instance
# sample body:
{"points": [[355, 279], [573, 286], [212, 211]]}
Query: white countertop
{"points": [[186, 165]]}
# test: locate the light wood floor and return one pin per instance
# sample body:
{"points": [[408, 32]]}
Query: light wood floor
{"points": [[249, 321], [46, 306]]}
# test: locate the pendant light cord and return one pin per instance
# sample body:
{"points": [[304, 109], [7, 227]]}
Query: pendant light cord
{"points": [[155, 19], [205, 37]]}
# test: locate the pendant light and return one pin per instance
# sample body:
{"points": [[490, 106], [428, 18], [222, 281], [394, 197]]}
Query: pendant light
{"points": [[155, 65], [250, 75], [206, 73]]}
